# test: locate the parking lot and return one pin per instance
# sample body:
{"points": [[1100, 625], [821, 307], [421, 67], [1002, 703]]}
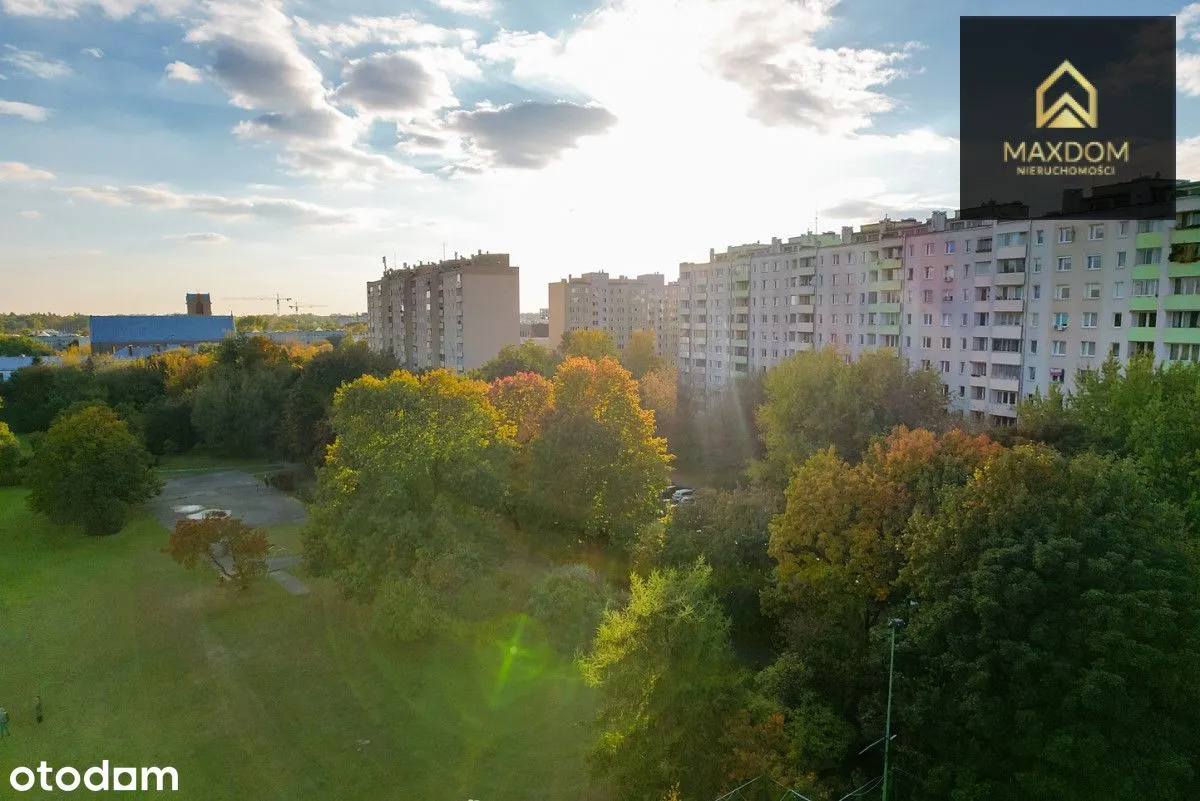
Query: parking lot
{"points": [[245, 496]]}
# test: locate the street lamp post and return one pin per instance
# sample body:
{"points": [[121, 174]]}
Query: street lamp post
{"points": [[894, 623]]}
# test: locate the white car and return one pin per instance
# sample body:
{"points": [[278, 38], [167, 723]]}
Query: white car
{"points": [[684, 494], [209, 514]]}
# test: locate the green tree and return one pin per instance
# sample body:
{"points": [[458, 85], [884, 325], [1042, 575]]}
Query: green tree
{"points": [[235, 549], [596, 467], [10, 457], [34, 396], [667, 686], [305, 420], [528, 357], [23, 346], [641, 354], [89, 470], [816, 399], [658, 390], [589, 343], [237, 407], [413, 456], [570, 600], [252, 322], [1055, 629]]}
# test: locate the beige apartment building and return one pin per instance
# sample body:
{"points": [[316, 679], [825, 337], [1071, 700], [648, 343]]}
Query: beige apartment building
{"points": [[999, 310], [456, 313], [617, 305]]}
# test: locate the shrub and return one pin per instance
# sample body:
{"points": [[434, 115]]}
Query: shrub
{"points": [[10, 457], [406, 609], [570, 601]]}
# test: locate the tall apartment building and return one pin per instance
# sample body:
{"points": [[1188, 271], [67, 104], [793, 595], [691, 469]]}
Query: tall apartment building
{"points": [[456, 314], [618, 305], [999, 310]]}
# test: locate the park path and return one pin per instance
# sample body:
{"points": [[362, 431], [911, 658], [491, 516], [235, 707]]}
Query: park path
{"points": [[276, 568]]}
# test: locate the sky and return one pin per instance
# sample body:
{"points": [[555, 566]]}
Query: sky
{"points": [[249, 148]]}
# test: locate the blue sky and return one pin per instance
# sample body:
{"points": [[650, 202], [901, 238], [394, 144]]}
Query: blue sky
{"points": [[150, 148]]}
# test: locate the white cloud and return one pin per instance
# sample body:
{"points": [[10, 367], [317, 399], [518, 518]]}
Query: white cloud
{"points": [[33, 63], [281, 210], [473, 8], [26, 111], [393, 31], [16, 171], [31, 215], [67, 9], [180, 71], [207, 238], [94, 52], [1187, 158]]}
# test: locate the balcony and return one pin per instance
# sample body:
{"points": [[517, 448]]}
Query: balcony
{"points": [[981, 306], [1181, 302], [1006, 331], [884, 308], [1006, 384], [978, 405], [1148, 303], [1142, 334], [1004, 357], [738, 359], [1010, 279], [804, 308], [1183, 236], [979, 380], [885, 330], [888, 264], [1002, 409], [804, 328], [743, 309], [884, 286], [1010, 252], [1183, 336], [1143, 272], [1008, 305], [740, 343], [1183, 270], [1154, 239]]}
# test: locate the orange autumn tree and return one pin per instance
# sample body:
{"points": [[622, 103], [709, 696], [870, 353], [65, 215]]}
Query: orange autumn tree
{"points": [[523, 401], [236, 550]]}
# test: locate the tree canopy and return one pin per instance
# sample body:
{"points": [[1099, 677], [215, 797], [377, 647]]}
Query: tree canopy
{"points": [[528, 357], [589, 343]]}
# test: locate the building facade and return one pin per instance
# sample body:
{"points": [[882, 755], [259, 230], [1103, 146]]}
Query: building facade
{"points": [[999, 310], [617, 305], [455, 314], [143, 334]]}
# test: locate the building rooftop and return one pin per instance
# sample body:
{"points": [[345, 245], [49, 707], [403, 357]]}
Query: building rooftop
{"points": [[159, 328]]}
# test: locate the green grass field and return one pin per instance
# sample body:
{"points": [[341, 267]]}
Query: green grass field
{"points": [[263, 695], [197, 461]]}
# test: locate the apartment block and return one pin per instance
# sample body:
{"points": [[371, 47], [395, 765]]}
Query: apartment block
{"points": [[455, 314], [999, 310], [618, 305]]}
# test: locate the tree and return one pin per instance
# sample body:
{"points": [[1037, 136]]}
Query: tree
{"points": [[667, 685], [252, 322], [237, 407], [589, 343], [528, 357], [658, 390], [89, 470], [641, 354], [34, 396], [596, 468], [414, 457], [570, 601], [719, 439], [305, 421], [523, 401], [23, 346], [815, 399], [1057, 625], [237, 550], [10, 457]]}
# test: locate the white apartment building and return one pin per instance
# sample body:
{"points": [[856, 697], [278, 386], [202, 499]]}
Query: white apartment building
{"points": [[456, 314], [999, 310], [618, 305]]}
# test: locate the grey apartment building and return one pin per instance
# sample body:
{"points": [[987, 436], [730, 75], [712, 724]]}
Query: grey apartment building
{"points": [[615, 304], [455, 314], [997, 309]]}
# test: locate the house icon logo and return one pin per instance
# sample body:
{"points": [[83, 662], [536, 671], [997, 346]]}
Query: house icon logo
{"points": [[1066, 111]]}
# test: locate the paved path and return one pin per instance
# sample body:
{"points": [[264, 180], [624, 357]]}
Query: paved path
{"points": [[276, 569], [289, 582]]}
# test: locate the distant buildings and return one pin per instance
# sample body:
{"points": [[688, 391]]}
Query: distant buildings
{"points": [[999, 310], [59, 340], [456, 314], [535, 327], [619, 306], [136, 335], [10, 364]]}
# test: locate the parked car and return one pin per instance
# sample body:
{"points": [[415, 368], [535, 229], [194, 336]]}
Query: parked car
{"points": [[683, 494], [210, 514], [669, 492]]}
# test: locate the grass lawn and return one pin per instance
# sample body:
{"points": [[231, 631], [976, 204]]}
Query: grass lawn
{"points": [[263, 695], [196, 461]]}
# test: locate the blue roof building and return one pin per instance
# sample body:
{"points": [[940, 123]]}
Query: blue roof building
{"points": [[156, 331]]}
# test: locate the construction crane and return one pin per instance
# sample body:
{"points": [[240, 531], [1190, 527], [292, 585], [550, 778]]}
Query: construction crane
{"points": [[297, 306], [279, 301]]}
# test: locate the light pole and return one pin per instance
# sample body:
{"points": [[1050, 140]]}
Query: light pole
{"points": [[894, 624]]}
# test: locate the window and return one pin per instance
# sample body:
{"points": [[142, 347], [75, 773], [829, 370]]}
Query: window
{"points": [[1033, 374], [1122, 258], [948, 272], [1033, 320], [1037, 291], [1087, 349], [1118, 290], [945, 366], [1037, 264], [1066, 235], [1145, 288], [1062, 292], [1039, 237], [928, 248], [1089, 319], [1185, 286], [1091, 292], [1093, 262], [964, 317], [928, 272], [1058, 348], [1145, 319], [1033, 346], [946, 320], [1116, 319], [950, 247], [1095, 231], [966, 294], [1184, 353], [1064, 263], [927, 319], [1061, 320], [926, 343], [927, 296], [1184, 319], [1148, 255], [947, 343], [1123, 229], [836, 260], [1116, 349]]}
